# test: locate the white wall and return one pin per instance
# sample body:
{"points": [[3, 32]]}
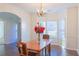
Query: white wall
{"points": [[78, 32], [71, 22], [72, 19]]}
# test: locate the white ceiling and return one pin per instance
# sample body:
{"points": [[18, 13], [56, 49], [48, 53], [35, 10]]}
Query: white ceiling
{"points": [[48, 7]]}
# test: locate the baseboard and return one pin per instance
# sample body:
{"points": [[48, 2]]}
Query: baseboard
{"points": [[67, 48], [71, 49]]}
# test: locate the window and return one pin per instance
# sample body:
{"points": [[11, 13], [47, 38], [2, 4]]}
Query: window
{"points": [[51, 29], [56, 30], [62, 32]]}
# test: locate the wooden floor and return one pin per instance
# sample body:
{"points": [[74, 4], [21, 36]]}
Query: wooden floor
{"points": [[11, 50]]}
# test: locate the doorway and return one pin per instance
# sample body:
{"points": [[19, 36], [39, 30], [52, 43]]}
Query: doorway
{"points": [[1, 32], [9, 28]]}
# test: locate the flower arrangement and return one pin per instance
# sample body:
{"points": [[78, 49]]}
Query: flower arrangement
{"points": [[39, 29]]}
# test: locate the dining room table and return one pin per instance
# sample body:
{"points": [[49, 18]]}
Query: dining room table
{"points": [[44, 46]]}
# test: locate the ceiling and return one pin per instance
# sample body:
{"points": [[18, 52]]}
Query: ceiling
{"points": [[48, 7]]}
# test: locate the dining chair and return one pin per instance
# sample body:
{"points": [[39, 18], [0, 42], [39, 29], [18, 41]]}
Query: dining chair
{"points": [[22, 48], [45, 36], [23, 51]]}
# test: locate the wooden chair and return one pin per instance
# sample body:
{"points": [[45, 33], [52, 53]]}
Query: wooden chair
{"points": [[22, 48], [45, 36]]}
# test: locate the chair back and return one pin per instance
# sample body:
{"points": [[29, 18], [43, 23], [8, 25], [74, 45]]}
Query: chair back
{"points": [[22, 48], [45, 36]]}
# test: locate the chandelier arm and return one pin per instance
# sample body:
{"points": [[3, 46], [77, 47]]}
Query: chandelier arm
{"points": [[41, 11], [41, 5]]}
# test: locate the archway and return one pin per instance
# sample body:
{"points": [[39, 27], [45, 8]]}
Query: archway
{"points": [[10, 25]]}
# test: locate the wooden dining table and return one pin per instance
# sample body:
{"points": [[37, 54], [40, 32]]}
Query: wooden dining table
{"points": [[35, 46]]}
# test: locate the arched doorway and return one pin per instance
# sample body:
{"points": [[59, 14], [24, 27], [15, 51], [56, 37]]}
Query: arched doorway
{"points": [[10, 28]]}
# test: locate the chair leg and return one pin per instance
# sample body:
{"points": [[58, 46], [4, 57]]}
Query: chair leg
{"points": [[49, 49], [45, 51]]}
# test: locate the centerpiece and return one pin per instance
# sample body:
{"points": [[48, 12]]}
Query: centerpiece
{"points": [[39, 29]]}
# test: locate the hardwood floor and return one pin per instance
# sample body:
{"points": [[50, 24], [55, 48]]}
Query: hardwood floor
{"points": [[58, 51], [11, 50]]}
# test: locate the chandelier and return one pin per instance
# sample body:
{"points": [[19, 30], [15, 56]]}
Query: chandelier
{"points": [[41, 12]]}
